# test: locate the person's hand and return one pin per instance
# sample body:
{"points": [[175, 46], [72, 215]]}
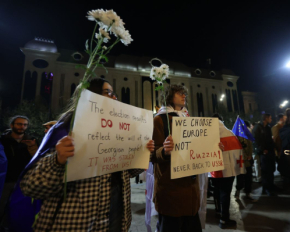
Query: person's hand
{"points": [[265, 152], [64, 148], [29, 143], [221, 146], [168, 145], [150, 145]]}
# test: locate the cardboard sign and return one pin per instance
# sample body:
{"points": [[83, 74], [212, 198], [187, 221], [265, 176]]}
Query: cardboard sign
{"points": [[196, 147], [109, 136]]}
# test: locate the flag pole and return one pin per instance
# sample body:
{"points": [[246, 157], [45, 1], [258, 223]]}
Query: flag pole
{"points": [[235, 122]]}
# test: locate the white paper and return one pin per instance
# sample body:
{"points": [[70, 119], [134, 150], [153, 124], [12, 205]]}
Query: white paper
{"points": [[109, 136], [196, 147]]}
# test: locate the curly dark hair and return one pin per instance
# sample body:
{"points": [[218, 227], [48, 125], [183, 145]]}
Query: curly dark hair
{"points": [[169, 92]]}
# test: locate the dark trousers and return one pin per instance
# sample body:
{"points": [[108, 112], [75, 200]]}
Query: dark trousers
{"points": [[179, 224], [267, 170], [222, 195], [245, 181]]}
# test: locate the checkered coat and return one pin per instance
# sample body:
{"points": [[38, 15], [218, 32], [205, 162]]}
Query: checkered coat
{"points": [[88, 201]]}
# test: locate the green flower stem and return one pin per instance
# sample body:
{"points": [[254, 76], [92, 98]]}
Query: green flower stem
{"points": [[109, 49], [93, 36], [65, 183], [166, 113], [91, 66]]}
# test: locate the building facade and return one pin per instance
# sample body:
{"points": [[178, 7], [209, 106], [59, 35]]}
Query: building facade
{"points": [[51, 73], [250, 101]]}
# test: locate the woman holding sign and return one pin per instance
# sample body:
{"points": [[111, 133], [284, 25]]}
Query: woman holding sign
{"points": [[176, 200], [100, 203]]}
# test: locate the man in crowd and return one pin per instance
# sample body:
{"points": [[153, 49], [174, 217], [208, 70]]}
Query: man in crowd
{"points": [[19, 148], [245, 180], [276, 135], [264, 147], [48, 125]]}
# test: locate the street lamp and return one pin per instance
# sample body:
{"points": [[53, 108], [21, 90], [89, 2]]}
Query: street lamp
{"points": [[283, 104], [222, 97]]}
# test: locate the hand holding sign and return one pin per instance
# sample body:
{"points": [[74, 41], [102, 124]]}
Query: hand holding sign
{"points": [[150, 145], [64, 148], [168, 145]]}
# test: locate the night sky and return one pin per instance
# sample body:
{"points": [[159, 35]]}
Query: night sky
{"points": [[251, 39]]}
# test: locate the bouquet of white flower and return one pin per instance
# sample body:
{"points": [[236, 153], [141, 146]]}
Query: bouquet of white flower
{"points": [[109, 23], [159, 74]]}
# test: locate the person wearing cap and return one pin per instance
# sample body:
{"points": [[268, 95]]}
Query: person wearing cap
{"points": [[48, 125]]}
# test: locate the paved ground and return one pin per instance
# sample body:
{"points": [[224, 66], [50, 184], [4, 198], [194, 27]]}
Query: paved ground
{"points": [[269, 214]]}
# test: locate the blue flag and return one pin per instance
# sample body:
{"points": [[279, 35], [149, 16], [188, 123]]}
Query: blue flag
{"points": [[240, 129], [3, 168]]}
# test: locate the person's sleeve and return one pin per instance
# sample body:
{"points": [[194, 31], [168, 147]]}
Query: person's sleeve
{"points": [[158, 155], [44, 179], [259, 148], [3, 168], [275, 133]]}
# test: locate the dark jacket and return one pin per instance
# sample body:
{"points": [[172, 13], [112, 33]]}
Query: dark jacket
{"points": [[284, 162], [263, 138], [18, 155], [172, 197]]}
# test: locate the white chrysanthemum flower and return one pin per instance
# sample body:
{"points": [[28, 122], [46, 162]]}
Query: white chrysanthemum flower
{"points": [[165, 70], [113, 19], [123, 34], [104, 34], [96, 15], [160, 73], [153, 74]]}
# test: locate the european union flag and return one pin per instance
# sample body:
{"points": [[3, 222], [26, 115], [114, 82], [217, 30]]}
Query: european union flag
{"points": [[240, 129]]}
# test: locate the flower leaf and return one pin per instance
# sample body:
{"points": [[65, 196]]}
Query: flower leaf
{"points": [[87, 45], [105, 58], [81, 66], [85, 84], [160, 87], [88, 52]]}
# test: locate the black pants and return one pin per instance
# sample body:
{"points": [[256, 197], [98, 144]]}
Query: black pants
{"points": [[179, 224], [245, 181], [267, 170], [222, 195]]}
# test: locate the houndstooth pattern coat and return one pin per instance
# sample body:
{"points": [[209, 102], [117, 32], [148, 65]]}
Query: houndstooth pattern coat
{"points": [[88, 201]]}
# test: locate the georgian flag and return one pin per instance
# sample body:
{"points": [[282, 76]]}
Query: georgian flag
{"points": [[232, 155]]}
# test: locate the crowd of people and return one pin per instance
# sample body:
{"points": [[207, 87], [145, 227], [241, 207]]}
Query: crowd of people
{"points": [[102, 203]]}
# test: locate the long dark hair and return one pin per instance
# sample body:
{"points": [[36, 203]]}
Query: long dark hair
{"points": [[96, 86]]}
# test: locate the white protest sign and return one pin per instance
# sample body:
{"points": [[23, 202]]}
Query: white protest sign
{"points": [[196, 147], [109, 136]]}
